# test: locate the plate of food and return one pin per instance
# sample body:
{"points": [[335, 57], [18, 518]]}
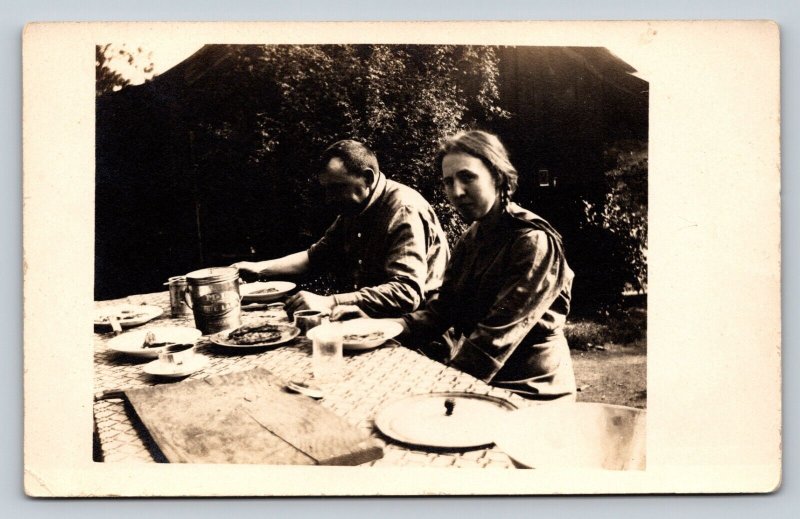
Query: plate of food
{"points": [[265, 291], [149, 343], [256, 335], [363, 334], [127, 316]]}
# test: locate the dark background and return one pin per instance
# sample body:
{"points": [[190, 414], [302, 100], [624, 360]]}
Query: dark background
{"points": [[214, 160]]}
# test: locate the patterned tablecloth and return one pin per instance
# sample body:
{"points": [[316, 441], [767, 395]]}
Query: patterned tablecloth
{"points": [[371, 379]]}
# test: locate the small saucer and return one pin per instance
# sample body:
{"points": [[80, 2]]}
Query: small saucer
{"points": [[158, 368]]}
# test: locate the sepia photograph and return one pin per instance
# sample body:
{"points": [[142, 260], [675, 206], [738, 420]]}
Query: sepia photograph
{"points": [[400, 263], [455, 234]]}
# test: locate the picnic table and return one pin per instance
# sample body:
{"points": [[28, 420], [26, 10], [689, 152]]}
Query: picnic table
{"points": [[371, 379]]}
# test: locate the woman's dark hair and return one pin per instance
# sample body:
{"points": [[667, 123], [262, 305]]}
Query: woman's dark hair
{"points": [[488, 148]]}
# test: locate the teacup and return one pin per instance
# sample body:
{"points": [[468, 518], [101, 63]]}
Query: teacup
{"points": [[176, 354], [307, 319]]}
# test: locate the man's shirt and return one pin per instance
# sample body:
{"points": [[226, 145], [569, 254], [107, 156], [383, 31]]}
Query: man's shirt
{"points": [[390, 257]]}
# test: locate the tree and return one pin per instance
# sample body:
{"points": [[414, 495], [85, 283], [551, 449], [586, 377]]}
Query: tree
{"points": [[619, 214], [233, 138], [399, 99], [116, 66], [266, 120]]}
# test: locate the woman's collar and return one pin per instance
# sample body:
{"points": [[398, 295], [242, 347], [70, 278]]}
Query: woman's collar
{"points": [[489, 223]]}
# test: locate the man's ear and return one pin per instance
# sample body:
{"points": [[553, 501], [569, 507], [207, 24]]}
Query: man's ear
{"points": [[369, 176]]}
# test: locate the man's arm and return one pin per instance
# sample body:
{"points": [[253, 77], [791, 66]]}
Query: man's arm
{"points": [[292, 264], [405, 267]]}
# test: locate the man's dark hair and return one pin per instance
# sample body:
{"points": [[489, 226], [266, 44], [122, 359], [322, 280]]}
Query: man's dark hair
{"points": [[355, 156]]}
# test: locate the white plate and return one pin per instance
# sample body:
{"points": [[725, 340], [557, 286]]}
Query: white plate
{"points": [[163, 369], [575, 435], [265, 291], [384, 329], [127, 315], [288, 333], [132, 343], [423, 420]]}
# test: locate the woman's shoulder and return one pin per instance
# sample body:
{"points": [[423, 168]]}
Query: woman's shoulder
{"points": [[529, 231], [524, 222]]}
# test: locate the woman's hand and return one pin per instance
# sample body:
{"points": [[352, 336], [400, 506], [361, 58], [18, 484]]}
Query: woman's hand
{"points": [[347, 312]]}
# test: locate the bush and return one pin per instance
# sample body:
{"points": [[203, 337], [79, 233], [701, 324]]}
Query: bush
{"points": [[619, 326], [620, 214], [292, 101]]}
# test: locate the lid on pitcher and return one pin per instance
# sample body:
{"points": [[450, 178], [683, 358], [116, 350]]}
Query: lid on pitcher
{"points": [[212, 275]]}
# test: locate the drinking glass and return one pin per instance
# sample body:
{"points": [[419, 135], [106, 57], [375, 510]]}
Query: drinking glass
{"points": [[326, 354]]}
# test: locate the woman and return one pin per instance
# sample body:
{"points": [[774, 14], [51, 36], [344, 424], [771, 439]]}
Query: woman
{"points": [[506, 291]]}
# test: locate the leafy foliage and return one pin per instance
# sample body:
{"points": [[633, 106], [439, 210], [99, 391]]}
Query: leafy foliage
{"points": [[225, 148], [621, 212], [290, 102], [115, 65]]}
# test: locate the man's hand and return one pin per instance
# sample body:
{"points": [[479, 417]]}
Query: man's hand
{"points": [[248, 270], [347, 312], [247, 266], [309, 301]]}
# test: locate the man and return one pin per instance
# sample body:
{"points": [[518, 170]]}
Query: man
{"points": [[386, 246]]}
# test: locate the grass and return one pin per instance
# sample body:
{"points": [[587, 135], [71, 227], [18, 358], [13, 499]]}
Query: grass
{"points": [[610, 357]]}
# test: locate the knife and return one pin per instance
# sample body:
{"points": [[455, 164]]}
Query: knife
{"points": [[110, 394]]}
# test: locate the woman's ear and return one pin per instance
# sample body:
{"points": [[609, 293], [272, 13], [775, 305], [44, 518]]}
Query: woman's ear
{"points": [[499, 183]]}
